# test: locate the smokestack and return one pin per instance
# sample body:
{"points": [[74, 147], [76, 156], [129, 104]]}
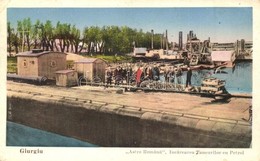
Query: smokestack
{"points": [[166, 39], [242, 44], [163, 41], [191, 34], [180, 40], [152, 39]]}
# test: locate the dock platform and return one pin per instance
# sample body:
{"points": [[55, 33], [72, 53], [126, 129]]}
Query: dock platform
{"points": [[236, 108]]}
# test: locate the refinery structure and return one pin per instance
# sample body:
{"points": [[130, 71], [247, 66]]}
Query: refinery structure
{"points": [[196, 51]]}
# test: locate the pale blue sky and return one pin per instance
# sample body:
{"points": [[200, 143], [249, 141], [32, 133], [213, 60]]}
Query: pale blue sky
{"points": [[220, 24]]}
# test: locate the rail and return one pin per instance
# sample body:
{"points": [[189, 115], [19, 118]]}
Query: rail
{"points": [[159, 86]]}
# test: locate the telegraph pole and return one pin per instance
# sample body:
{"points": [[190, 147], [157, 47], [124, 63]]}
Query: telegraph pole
{"points": [[23, 36]]}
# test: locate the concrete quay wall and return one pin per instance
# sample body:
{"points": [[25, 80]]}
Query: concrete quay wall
{"points": [[112, 125]]}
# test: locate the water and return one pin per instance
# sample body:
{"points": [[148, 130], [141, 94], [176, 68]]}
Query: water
{"points": [[238, 79], [21, 135]]}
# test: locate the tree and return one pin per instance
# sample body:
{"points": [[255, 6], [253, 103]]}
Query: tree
{"points": [[12, 39], [9, 39], [65, 37], [36, 33], [48, 35], [15, 42], [24, 28], [27, 27], [62, 33], [75, 39]]}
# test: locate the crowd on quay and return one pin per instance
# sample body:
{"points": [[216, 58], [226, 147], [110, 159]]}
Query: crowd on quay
{"points": [[136, 73]]}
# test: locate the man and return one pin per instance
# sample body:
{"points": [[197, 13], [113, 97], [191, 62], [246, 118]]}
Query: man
{"points": [[156, 72], [188, 80], [172, 75], [109, 76], [166, 74], [179, 74], [118, 75], [149, 73], [139, 73]]}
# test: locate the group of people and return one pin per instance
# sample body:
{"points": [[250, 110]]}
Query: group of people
{"points": [[150, 72], [170, 73], [131, 74], [174, 75], [139, 73], [119, 75]]}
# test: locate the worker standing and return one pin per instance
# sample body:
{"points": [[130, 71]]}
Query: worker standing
{"points": [[188, 80], [118, 75], [109, 75], [139, 73], [179, 74]]}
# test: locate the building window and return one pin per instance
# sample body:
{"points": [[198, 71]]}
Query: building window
{"points": [[25, 63], [53, 63], [32, 62]]}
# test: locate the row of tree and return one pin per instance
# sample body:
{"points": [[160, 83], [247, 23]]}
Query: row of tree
{"points": [[65, 37]]}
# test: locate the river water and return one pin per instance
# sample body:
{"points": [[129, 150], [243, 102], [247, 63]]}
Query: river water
{"points": [[21, 135], [238, 80]]}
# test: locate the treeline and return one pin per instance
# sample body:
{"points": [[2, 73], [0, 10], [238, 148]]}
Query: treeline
{"points": [[65, 37]]}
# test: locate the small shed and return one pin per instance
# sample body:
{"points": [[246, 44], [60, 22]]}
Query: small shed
{"points": [[66, 78], [91, 68], [226, 57], [40, 63]]}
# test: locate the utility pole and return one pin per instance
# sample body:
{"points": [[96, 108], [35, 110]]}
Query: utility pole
{"points": [[23, 36]]}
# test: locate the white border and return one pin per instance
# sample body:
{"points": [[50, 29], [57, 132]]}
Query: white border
{"points": [[64, 154]]}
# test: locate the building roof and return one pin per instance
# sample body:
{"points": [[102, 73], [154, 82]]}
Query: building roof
{"points": [[88, 60], [36, 53], [64, 71], [74, 57], [222, 55]]}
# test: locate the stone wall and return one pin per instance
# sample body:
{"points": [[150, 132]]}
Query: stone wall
{"points": [[112, 125]]}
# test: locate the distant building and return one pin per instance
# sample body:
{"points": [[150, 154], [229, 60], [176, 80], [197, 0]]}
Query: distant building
{"points": [[140, 51], [66, 78], [40, 63], [155, 52], [223, 57], [91, 68]]}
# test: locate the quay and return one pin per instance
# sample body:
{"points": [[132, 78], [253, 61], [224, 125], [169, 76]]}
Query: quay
{"points": [[103, 117]]}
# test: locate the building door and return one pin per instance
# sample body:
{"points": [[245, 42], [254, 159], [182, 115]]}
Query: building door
{"points": [[99, 70]]}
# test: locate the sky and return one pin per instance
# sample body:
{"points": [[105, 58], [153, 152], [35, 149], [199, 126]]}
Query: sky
{"points": [[220, 24]]}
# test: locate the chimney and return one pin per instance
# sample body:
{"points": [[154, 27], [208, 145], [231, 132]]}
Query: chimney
{"points": [[152, 39], [166, 39], [180, 40]]}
